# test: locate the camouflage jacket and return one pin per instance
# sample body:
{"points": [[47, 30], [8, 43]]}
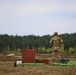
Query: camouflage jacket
{"points": [[56, 41]]}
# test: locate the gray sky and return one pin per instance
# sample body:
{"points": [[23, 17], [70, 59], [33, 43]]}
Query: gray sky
{"points": [[37, 17]]}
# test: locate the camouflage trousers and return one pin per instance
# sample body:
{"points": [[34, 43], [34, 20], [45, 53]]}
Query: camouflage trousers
{"points": [[56, 54]]}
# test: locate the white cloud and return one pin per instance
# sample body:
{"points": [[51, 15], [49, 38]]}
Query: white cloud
{"points": [[43, 8], [38, 7], [38, 16]]}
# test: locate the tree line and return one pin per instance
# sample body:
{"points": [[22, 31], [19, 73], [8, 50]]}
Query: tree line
{"points": [[17, 43]]}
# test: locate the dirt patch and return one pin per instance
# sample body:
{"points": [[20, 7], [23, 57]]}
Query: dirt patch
{"points": [[7, 67]]}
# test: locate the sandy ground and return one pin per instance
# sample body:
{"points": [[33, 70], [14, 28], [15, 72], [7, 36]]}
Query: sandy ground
{"points": [[7, 68]]}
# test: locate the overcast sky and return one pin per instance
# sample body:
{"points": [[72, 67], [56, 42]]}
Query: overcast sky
{"points": [[37, 17]]}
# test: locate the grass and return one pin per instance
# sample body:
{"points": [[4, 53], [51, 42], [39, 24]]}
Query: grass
{"points": [[7, 68], [72, 59], [33, 64]]}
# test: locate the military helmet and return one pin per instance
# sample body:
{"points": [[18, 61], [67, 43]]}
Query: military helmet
{"points": [[55, 33]]}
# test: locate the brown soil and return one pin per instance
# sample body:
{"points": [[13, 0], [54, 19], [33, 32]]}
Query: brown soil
{"points": [[7, 68]]}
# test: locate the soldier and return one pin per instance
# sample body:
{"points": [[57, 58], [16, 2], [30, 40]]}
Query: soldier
{"points": [[56, 41]]}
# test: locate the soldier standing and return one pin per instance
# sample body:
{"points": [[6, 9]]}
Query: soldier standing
{"points": [[56, 41]]}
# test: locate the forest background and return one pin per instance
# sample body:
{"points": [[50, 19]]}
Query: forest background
{"points": [[15, 43]]}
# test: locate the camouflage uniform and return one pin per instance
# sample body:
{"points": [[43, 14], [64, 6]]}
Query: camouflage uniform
{"points": [[56, 42]]}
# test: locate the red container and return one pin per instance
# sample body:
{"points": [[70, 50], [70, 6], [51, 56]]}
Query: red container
{"points": [[28, 55], [46, 61]]}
